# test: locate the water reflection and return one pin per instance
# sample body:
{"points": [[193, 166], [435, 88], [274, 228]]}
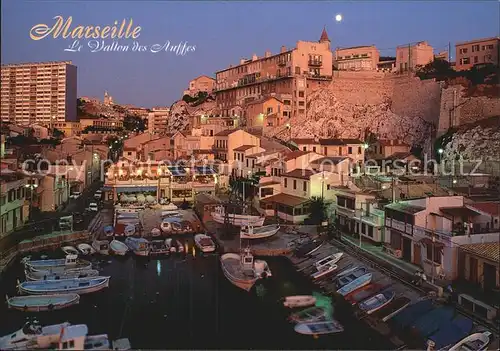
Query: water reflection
{"points": [[158, 268]]}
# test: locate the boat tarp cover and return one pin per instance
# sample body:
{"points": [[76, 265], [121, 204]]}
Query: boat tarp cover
{"points": [[412, 312], [452, 333], [432, 321]]}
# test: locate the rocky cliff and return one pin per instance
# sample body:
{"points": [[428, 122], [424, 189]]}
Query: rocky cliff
{"points": [[181, 112]]}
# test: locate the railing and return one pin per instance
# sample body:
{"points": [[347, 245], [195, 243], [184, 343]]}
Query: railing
{"points": [[131, 181], [315, 63]]}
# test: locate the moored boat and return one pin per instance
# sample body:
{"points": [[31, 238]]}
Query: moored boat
{"points": [[450, 334], [238, 220], [204, 243], [101, 246], [239, 269], [328, 260], [118, 248], [158, 247], [308, 315], [67, 274], [108, 231], [70, 262], [356, 283], [474, 342], [180, 246], [170, 245], [64, 286], [85, 249], [346, 277], [69, 250], [28, 335], [299, 301], [318, 328], [324, 271], [155, 232], [377, 302], [308, 248], [251, 232], [138, 246], [39, 303], [364, 293]]}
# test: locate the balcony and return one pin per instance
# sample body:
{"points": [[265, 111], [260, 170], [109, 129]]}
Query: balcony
{"points": [[315, 63], [318, 77], [282, 63]]}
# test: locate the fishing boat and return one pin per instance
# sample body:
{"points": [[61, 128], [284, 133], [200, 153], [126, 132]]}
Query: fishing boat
{"points": [[180, 246], [474, 342], [204, 243], [347, 276], [250, 232], [238, 220], [356, 283], [328, 260], [64, 286], [138, 246], [118, 248], [242, 270], [377, 302], [101, 246], [323, 271], [67, 274], [318, 328], [364, 293], [397, 305], [129, 230], [158, 247], [70, 250], [155, 232], [85, 249], [108, 231], [311, 314], [40, 303], [70, 262], [299, 301], [169, 244], [308, 249], [166, 224], [28, 335]]}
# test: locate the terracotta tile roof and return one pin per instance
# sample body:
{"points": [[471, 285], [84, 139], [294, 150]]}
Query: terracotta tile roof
{"points": [[489, 251], [264, 99], [491, 208], [300, 141], [324, 35], [300, 173], [244, 147], [331, 159], [339, 141], [387, 142], [285, 199], [295, 154], [203, 152], [226, 132]]}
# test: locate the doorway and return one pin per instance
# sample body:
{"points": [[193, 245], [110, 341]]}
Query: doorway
{"points": [[406, 249], [490, 277], [473, 270], [417, 257]]}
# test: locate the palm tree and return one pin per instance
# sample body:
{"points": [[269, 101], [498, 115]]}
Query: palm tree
{"points": [[317, 207]]}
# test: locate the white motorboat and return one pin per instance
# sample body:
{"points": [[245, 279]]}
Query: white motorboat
{"points": [[323, 271], [85, 249], [155, 232], [39, 303], [250, 232], [64, 286], [101, 246], [328, 260], [70, 250], [28, 335], [377, 302], [170, 245], [138, 246], [311, 314], [204, 243], [241, 269], [57, 265], [318, 328], [67, 274], [474, 342], [118, 248], [96, 342], [239, 220], [299, 301], [158, 247]]}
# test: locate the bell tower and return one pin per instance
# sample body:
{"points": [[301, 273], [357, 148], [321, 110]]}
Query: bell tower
{"points": [[324, 38]]}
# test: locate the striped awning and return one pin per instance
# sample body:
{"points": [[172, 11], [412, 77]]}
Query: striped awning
{"points": [[135, 189]]}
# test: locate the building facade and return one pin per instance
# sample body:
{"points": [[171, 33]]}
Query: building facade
{"points": [[357, 58], [288, 76], [474, 52], [200, 84], [408, 57], [157, 120], [14, 210], [43, 92]]}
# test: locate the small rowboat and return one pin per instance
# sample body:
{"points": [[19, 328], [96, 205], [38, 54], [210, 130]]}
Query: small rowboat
{"points": [[299, 301], [317, 328], [204, 243], [474, 342], [365, 292], [377, 302], [85, 249], [355, 284], [328, 260], [324, 271], [69, 274], [40, 303], [70, 262], [69, 250], [118, 247], [311, 314], [249, 232], [64, 286]]}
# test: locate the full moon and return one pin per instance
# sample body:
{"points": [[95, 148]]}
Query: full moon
{"points": [[338, 18]]}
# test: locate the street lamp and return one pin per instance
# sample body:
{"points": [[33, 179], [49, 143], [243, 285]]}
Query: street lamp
{"points": [[31, 186]]}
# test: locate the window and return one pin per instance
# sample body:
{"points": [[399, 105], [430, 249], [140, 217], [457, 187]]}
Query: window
{"points": [[301, 94], [363, 228], [349, 150], [359, 150], [370, 231], [247, 162], [129, 153], [465, 61], [304, 185], [476, 59], [297, 70], [314, 148], [269, 110], [286, 102], [294, 184], [235, 156], [71, 344], [285, 182], [463, 51], [328, 187], [302, 111], [437, 253], [301, 103], [266, 191], [475, 48], [340, 150]]}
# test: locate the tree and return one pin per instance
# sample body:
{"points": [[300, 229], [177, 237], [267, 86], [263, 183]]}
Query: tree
{"points": [[58, 134], [134, 123], [438, 68], [317, 207]]}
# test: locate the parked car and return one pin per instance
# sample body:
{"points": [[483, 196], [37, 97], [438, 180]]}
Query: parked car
{"points": [[98, 195], [75, 195], [93, 207]]}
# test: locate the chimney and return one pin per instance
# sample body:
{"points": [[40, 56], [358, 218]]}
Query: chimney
{"points": [[283, 49], [254, 57], [268, 53]]}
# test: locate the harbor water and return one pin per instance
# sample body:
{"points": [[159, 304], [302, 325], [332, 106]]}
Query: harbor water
{"points": [[185, 302]]}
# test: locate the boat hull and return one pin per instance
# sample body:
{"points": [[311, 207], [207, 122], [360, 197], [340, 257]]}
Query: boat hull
{"points": [[118, 248], [45, 302], [245, 284], [261, 232], [239, 220], [324, 273], [328, 327], [299, 301], [375, 303], [26, 290], [204, 248], [355, 284], [36, 276]]}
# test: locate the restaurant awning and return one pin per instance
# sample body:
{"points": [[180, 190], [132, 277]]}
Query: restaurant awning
{"points": [[135, 189], [459, 211], [285, 199]]}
